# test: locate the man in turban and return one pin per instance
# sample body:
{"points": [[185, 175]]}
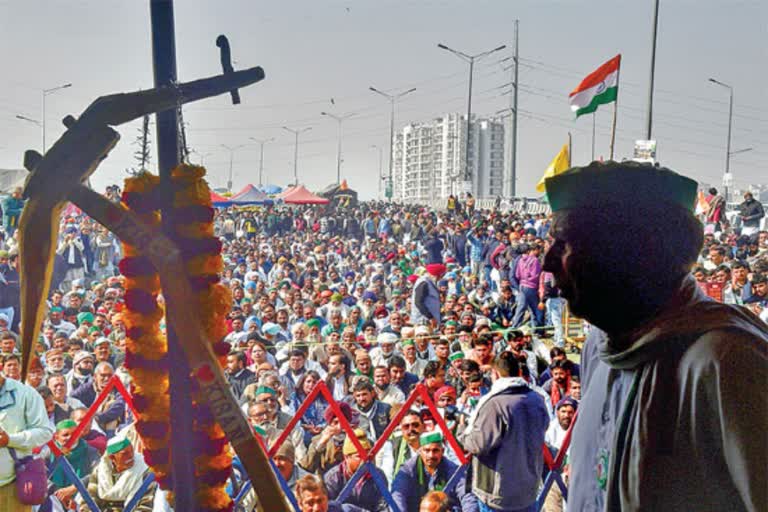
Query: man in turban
{"points": [[425, 301]]}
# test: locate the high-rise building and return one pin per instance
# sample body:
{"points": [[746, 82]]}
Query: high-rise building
{"points": [[429, 159]]}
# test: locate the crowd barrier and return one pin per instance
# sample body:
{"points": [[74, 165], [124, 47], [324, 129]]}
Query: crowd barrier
{"points": [[554, 465], [516, 205]]}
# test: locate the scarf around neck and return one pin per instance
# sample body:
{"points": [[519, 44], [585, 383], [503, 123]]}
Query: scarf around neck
{"points": [[120, 486], [654, 355]]}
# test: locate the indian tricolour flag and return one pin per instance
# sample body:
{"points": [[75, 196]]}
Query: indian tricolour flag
{"points": [[601, 86]]}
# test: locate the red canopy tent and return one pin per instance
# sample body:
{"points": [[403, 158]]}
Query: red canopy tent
{"points": [[300, 195], [219, 201], [285, 192]]}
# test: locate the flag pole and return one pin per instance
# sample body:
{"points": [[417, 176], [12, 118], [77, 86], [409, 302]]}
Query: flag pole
{"points": [[570, 148], [615, 108], [594, 114]]}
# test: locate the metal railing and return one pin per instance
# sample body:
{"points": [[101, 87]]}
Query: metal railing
{"points": [[554, 465]]}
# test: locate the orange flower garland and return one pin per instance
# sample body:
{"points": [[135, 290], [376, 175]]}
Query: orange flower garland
{"points": [[146, 356], [147, 347], [192, 226]]}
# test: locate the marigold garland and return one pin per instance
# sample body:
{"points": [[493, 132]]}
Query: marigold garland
{"points": [[146, 347], [201, 252]]}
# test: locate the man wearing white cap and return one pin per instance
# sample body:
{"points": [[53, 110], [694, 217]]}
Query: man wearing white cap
{"points": [[381, 355], [82, 369], [117, 477]]}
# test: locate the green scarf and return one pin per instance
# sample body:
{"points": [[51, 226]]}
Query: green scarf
{"points": [[402, 455], [426, 479], [78, 458]]}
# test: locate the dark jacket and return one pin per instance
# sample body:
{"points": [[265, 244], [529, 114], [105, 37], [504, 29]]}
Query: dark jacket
{"points": [[488, 249], [506, 440], [434, 247], [112, 410], [409, 487], [239, 381], [334, 506], [458, 246], [365, 494], [379, 417], [409, 380], [751, 213]]}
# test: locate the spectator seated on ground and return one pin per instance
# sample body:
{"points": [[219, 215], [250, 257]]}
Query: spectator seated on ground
{"points": [[365, 495], [81, 456], [117, 477], [429, 471]]}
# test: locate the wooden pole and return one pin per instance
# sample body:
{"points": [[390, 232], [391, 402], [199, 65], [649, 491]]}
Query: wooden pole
{"points": [[615, 108], [182, 446]]}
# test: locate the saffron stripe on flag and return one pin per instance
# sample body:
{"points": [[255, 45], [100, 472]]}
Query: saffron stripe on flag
{"points": [[598, 75]]}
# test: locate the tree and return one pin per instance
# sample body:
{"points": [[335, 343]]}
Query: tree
{"points": [[142, 154]]}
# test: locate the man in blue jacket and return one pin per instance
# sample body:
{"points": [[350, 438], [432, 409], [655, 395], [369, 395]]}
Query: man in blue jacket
{"points": [[111, 412], [365, 494], [430, 471]]}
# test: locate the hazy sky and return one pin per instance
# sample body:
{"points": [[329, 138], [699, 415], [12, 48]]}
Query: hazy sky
{"points": [[313, 51]]}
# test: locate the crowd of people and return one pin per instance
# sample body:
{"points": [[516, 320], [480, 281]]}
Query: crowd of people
{"points": [[371, 300]]}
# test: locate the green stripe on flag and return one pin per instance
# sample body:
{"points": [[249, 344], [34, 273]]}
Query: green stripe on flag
{"points": [[607, 96]]}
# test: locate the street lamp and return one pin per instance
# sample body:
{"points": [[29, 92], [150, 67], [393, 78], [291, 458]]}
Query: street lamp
{"points": [[201, 155], [339, 119], [261, 157], [392, 99], [381, 178], [726, 176], [471, 59], [28, 119], [232, 150], [296, 151], [46, 92]]}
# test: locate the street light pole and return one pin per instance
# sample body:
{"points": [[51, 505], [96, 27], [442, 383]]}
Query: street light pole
{"points": [[471, 59], [46, 92], [232, 150], [392, 99], [381, 177], [261, 157], [201, 155], [649, 114], [296, 151], [339, 119], [730, 124]]}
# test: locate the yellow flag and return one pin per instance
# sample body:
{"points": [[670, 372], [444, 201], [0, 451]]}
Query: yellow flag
{"points": [[560, 163]]}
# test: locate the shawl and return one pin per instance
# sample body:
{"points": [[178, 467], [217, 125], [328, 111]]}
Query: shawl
{"points": [[120, 486], [655, 356]]}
